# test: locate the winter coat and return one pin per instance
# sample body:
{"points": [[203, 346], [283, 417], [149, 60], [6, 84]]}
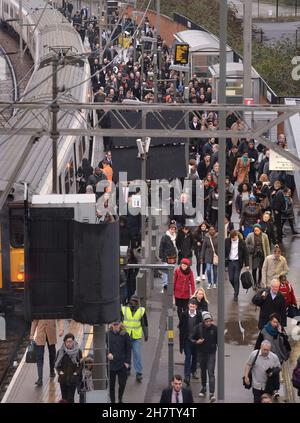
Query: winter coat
{"points": [[184, 243], [210, 336], [198, 237], [268, 306], [184, 327], [277, 200], [184, 284], [166, 248], [118, 344], [249, 217], [201, 305], [288, 211], [269, 229], [241, 172], [71, 371], [273, 269], [264, 248], [45, 329], [288, 292], [207, 253], [279, 343]]}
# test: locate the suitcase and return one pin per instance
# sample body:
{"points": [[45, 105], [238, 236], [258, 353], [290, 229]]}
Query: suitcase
{"points": [[247, 280]]}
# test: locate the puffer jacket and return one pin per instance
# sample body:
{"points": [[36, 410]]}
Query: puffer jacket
{"points": [[249, 217]]}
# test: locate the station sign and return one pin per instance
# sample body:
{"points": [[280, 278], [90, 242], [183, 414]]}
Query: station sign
{"points": [[181, 54], [278, 162]]}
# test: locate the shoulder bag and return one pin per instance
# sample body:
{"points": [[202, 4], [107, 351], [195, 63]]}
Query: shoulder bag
{"points": [[215, 256], [250, 373]]}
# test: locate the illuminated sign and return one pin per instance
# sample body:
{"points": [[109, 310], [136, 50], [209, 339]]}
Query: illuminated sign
{"points": [[181, 54]]}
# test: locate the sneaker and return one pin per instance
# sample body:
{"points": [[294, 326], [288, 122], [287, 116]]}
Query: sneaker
{"points": [[39, 382], [212, 398], [275, 395], [139, 377], [202, 393], [209, 286], [214, 285], [203, 277], [198, 279], [195, 376]]}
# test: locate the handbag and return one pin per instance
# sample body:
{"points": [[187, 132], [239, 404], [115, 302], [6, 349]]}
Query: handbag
{"points": [[215, 256], [250, 373], [31, 353]]}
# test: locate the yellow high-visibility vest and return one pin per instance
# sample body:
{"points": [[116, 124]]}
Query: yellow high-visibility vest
{"points": [[132, 322]]}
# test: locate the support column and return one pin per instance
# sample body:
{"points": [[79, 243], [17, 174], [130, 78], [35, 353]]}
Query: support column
{"points": [[221, 210]]}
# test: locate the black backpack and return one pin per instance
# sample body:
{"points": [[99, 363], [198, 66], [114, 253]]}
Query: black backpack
{"points": [[247, 280]]}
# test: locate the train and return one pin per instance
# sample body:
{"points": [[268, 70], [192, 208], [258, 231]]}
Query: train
{"points": [[45, 31]]}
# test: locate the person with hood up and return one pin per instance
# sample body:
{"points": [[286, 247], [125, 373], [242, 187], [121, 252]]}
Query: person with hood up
{"points": [[184, 285], [135, 321], [68, 366]]}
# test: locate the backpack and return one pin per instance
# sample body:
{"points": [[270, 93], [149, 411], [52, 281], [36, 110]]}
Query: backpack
{"points": [[247, 280], [296, 378]]}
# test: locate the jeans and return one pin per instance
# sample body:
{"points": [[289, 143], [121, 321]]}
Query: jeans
{"points": [[254, 274], [40, 349], [212, 273], [136, 353], [165, 278], [122, 379], [207, 365], [234, 270], [190, 360]]}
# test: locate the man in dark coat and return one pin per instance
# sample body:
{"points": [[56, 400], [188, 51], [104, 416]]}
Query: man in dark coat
{"points": [[189, 319], [176, 394], [236, 255], [270, 301]]}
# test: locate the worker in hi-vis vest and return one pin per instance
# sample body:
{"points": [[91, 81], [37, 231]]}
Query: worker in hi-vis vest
{"points": [[135, 321]]}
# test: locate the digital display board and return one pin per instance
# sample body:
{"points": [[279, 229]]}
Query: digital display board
{"points": [[181, 54]]}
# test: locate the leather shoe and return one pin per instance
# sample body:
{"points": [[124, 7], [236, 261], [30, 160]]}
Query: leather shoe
{"points": [[39, 382]]}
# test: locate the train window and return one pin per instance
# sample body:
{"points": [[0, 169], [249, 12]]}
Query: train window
{"points": [[80, 152], [83, 145], [5, 7], [16, 227], [11, 12]]}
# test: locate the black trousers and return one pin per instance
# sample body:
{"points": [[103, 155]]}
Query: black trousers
{"points": [[122, 379], [182, 305], [234, 270], [254, 274], [207, 365], [278, 224], [257, 395], [67, 392]]}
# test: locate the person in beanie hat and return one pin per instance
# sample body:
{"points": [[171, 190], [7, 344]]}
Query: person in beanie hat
{"points": [[135, 320], [205, 337], [184, 285]]}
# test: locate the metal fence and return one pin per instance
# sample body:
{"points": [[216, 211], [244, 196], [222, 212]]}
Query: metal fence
{"points": [[275, 8]]}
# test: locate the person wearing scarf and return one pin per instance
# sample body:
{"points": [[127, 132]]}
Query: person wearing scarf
{"points": [[68, 367], [168, 250], [184, 285], [275, 334]]}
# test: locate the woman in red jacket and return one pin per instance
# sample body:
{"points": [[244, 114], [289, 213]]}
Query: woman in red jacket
{"points": [[184, 285], [287, 291]]}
